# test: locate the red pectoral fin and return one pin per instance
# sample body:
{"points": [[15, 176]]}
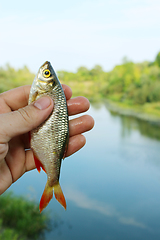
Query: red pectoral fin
{"points": [[38, 164]]}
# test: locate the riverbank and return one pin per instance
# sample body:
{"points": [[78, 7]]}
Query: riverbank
{"points": [[146, 112]]}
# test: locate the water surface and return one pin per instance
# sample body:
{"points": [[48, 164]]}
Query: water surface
{"points": [[112, 186]]}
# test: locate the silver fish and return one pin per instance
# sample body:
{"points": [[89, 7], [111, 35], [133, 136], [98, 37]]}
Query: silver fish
{"points": [[49, 141]]}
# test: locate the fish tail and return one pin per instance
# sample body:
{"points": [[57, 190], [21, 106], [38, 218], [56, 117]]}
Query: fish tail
{"points": [[59, 195], [46, 197], [48, 194]]}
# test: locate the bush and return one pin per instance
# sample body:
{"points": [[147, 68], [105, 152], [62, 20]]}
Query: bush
{"points": [[22, 216]]}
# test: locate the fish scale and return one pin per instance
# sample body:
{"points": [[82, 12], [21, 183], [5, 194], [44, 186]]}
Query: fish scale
{"points": [[50, 140]]}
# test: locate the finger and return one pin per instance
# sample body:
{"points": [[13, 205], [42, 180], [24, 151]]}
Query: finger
{"points": [[14, 99], [80, 125], [18, 98], [30, 163], [25, 119], [5, 176], [67, 91], [77, 105], [75, 144]]}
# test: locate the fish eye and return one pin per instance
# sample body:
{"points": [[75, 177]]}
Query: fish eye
{"points": [[47, 73]]}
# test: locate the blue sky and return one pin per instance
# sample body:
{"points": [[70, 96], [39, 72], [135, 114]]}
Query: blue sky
{"points": [[74, 33]]}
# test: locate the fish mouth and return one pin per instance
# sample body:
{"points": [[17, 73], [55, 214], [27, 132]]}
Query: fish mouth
{"points": [[47, 64]]}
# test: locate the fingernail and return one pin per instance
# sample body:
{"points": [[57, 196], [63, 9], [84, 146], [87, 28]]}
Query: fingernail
{"points": [[42, 103]]}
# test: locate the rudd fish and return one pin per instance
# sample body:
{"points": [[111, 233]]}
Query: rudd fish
{"points": [[49, 141]]}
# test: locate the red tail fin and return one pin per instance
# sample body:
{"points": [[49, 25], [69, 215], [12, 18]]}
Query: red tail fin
{"points": [[59, 195], [46, 197], [48, 194]]}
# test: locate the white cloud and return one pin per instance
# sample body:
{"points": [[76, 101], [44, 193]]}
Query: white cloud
{"points": [[83, 201]]}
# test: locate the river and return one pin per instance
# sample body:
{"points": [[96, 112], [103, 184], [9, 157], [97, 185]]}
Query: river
{"points": [[112, 185]]}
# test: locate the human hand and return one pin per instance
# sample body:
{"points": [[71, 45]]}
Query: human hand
{"points": [[17, 119]]}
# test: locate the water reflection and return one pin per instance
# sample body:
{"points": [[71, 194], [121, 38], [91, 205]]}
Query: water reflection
{"points": [[146, 128], [83, 201]]}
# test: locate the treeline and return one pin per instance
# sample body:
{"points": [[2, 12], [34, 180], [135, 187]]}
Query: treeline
{"points": [[135, 83], [129, 83], [11, 78], [132, 83]]}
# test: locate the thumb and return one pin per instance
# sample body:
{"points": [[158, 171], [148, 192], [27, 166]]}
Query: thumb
{"points": [[24, 119]]}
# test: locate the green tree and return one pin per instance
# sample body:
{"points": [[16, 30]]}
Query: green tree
{"points": [[157, 60]]}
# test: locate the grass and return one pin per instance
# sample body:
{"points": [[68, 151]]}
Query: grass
{"points": [[20, 218]]}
